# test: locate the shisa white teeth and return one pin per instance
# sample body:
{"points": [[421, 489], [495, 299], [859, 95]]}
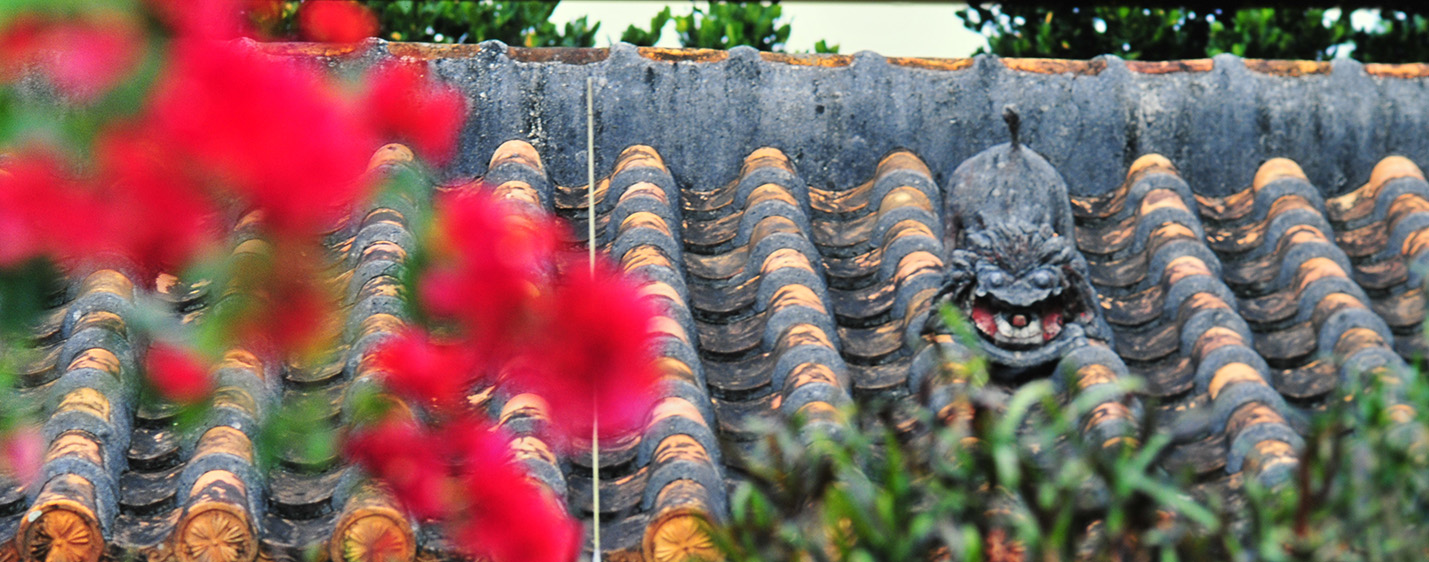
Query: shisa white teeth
{"points": [[1028, 334]]}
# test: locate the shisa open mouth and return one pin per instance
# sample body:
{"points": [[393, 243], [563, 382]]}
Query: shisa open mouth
{"points": [[1024, 327]]}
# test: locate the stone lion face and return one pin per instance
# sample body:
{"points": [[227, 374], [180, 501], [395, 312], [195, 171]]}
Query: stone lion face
{"points": [[1022, 286]]}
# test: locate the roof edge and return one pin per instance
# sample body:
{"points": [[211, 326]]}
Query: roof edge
{"points": [[588, 55]]}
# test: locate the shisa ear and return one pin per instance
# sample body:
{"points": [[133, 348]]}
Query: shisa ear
{"points": [[1056, 250], [960, 265], [979, 239]]}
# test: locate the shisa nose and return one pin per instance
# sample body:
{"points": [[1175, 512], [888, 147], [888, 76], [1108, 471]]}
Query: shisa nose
{"points": [[1019, 320]]}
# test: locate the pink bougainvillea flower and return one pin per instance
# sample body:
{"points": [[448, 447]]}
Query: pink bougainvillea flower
{"points": [[490, 261], [83, 58], [601, 359], [336, 21], [408, 459], [405, 105], [418, 369], [22, 452], [272, 132], [508, 517], [92, 57], [177, 374]]}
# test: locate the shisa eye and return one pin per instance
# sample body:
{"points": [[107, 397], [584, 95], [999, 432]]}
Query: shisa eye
{"points": [[997, 278], [1042, 279]]}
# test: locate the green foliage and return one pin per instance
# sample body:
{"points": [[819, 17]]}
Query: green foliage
{"points": [[717, 25], [1268, 33], [524, 23], [647, 37], [1066, 32], [721, 25], [1362, 488], [1186, 33], [1401, 36], [18, 314], [1013, 477]]}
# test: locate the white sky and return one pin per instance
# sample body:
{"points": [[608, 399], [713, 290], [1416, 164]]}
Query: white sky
{"points": [[889, 28]]}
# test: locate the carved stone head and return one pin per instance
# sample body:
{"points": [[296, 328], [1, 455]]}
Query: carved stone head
{"points": [[1014, 268]]}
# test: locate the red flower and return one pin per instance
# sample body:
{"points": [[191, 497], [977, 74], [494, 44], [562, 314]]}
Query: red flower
{"points": [[507, 516], [273, 133], [83, 58], [23, 186], [491, 259], [177, 374], [22, 453], [404, 105], [409, 460], [164, 219], [45, 211], [336, 21], [206, 19], [465, 476], [21, 38], [601, 358], [423, 371]]}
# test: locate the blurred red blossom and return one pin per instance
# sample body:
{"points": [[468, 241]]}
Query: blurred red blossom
{"points": [[464, 474], [161, 218], [508, 517], [490, 260], [139, 208], [29, 190], [407, 458], [423, 371], [45, 210], [22, 452], [336, 21], [405, 105], [83, 58], [177, 374], [600, 365], [208, 19], [272, 132], [232, 130]]}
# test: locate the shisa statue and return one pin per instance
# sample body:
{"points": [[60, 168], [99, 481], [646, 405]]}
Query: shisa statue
{"points": [[1013, 265]]}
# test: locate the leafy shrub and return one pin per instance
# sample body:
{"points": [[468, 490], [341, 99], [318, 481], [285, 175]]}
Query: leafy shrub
{"points": [[1169, 33], [514, 23], [721, 25], [647, 37], [1012, 478]]}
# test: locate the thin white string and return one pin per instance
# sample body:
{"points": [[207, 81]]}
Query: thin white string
{"points": [[590, 241]]}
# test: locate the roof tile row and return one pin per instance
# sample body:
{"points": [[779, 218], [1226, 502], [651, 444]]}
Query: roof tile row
{"points": [[1242, 313]]}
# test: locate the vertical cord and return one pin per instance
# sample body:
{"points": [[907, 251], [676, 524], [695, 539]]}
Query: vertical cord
{"points": [[590, 241]]}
